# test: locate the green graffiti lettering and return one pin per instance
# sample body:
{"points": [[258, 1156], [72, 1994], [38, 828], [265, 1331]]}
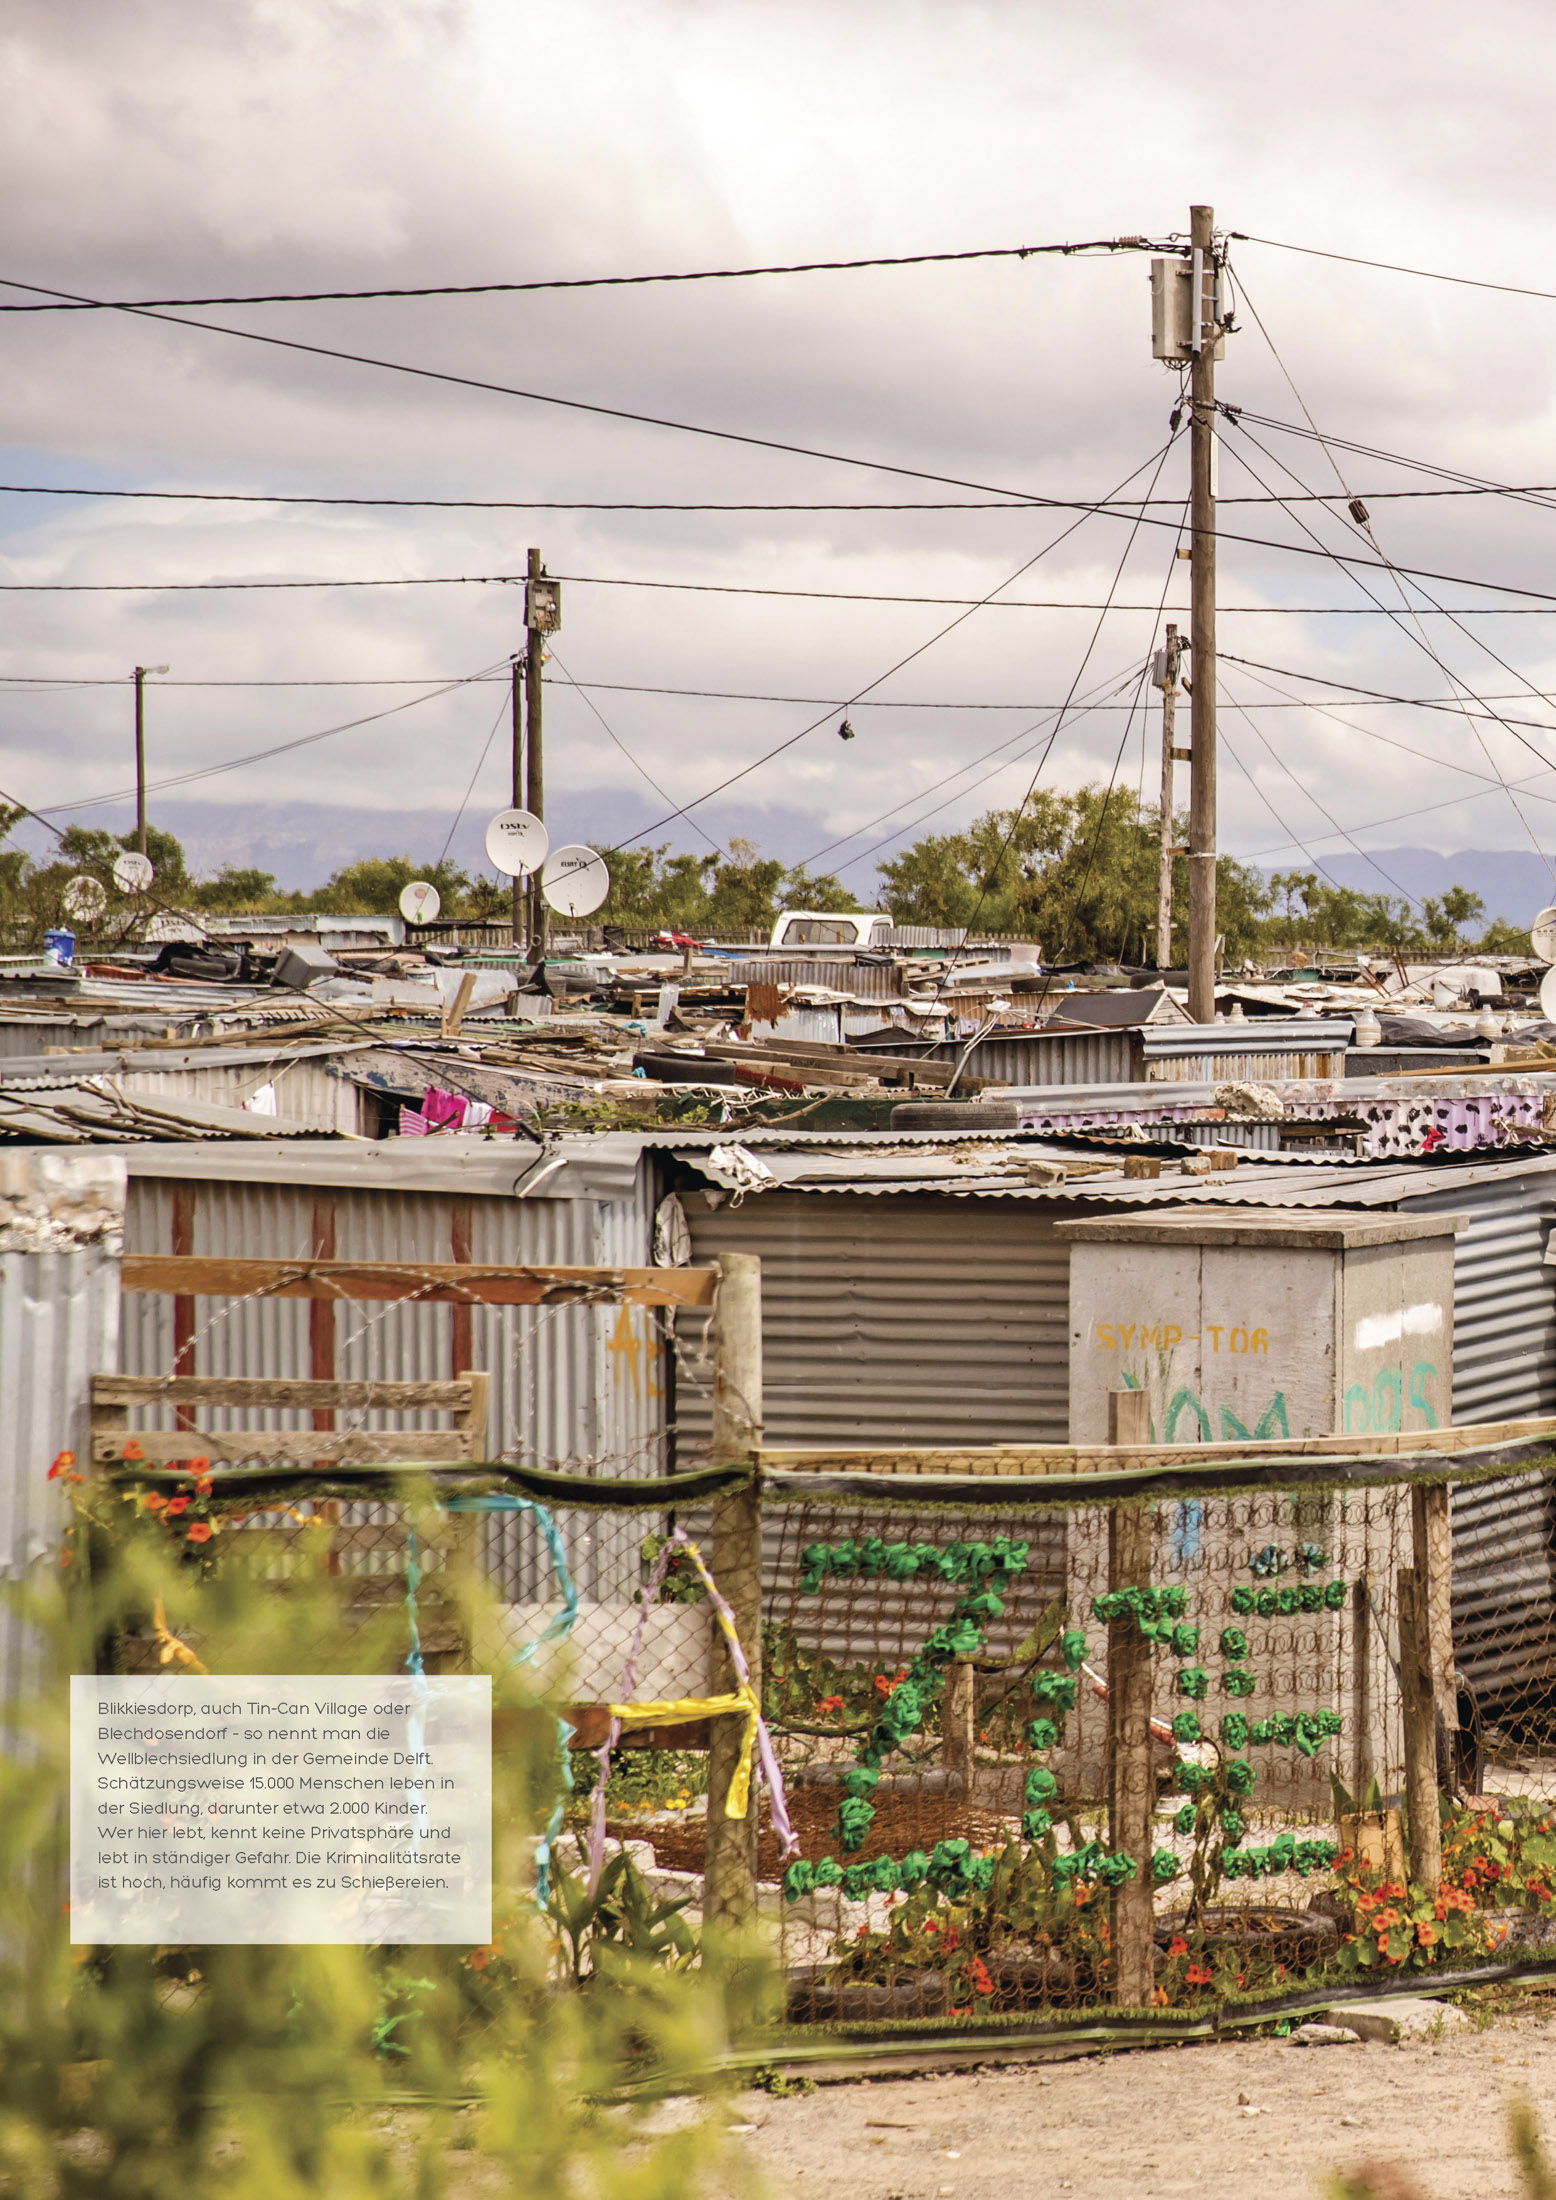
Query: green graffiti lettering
{"points": [[1185, 1401], [1423, 1372], [1358, 1402]]}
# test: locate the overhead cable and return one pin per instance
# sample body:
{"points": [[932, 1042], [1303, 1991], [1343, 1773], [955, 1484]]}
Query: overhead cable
{"points": [[597, 282]]}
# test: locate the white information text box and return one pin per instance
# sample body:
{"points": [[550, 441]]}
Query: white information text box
{"points": [[260, 1809]]}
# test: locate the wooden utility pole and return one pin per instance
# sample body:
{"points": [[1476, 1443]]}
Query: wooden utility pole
{"points": [[535, 786], [520, 887], [140, 758], [729, 1894], [1131, 1778], [1169, 687], [1205, 334]]}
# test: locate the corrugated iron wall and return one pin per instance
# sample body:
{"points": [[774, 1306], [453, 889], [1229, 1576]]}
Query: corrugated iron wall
{"points": [[59, 1324], [920, 1320], [572, 1387], [1504, 1365]]}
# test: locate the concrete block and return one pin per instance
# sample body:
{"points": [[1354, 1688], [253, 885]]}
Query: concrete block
{"points": [[1396, 2021], [1325, 2035]]}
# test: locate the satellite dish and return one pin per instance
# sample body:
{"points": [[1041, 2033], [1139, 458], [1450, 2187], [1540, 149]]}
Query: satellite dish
{"points": [[1548, 996], [1542, 935], [575, 881], [85, 899], [132, 872], [419, 902], [516, 842]]}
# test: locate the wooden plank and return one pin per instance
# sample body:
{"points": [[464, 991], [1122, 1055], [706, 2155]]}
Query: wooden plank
{"points": [[471, 1419], [394, 1446], [435, 1282], [1038, 1459], [264, 1390]]}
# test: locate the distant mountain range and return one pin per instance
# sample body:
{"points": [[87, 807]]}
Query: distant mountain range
{"points": [[302, 843]]}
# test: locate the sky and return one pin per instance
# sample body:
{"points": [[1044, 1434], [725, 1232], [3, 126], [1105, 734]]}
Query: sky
{"points": [[156, 149]]}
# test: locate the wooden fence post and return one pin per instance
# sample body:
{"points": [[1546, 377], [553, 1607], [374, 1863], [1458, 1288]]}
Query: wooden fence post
{"points": [[1131, 1782], [1415, 1678], [1431, 1523], [729, 1893]]}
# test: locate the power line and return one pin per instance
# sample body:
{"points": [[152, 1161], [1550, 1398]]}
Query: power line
{"points": [[1311, 549], [580, 688], [1479, 483], [991, 503], [592, 282], [963, 615], [260, 756], [1391, 267], [682, 427]]}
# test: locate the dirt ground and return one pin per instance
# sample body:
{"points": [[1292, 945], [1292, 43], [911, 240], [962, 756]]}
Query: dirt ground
{"points": [[1218, 2122]]}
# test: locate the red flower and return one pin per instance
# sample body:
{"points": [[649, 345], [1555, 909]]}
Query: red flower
{"points": [[1426, 1935], [479, 1958], [65, 1459], [1198, 1974], [830, 1703], [886, 1686], [176, 1505], [982, 1983], [1178, 1946], [201, 1532], [132, 1452]]}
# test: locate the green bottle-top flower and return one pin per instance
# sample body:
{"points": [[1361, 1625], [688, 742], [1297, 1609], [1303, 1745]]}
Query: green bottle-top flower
{"points": [[1072, 1644], [1185, 1820], [1164, 1866], [1234, 1730], [1041, 1785], [1193, 1681], [1239, 1776], [1242, 1598], [1237, 1681], [1234, 1643], [1043, 1734], [1186, 1727], [1057, 1689], [1035, 1825]]}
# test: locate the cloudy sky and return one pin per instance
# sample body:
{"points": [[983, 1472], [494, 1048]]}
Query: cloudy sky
{"points": [[156, 149]]}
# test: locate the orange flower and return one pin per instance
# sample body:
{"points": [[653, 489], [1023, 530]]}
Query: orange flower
{"points": [[1178, 1946], [203, 1485], [479, 1958], [1426, 1935], [201, 1532], [982, 1983], [64, 1460], [198, 1466], [830, 1703], [1198, 1974], [155, 1501], [1383, 1920], [176, 1505], [132, 1452]]}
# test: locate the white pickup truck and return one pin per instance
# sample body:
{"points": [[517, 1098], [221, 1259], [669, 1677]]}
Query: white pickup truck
{"points": [[832, 928]]}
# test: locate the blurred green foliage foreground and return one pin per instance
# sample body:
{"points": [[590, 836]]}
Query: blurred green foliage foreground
{"points": [[537, 2065]]}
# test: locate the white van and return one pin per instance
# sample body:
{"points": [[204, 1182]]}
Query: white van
{"points": [[832, 928]]}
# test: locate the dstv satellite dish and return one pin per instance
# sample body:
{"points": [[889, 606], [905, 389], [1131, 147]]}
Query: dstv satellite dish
{"points": [[516, 842], [419, 902], [1542, 935], [575, 881], [132, 872], [85, 899]]}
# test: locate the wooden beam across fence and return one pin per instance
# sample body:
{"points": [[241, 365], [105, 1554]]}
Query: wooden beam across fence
{"points": [[430, 1282], [1023, 1460]]}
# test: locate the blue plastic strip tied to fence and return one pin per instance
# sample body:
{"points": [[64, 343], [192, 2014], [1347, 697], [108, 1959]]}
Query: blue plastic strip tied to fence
{"points": [[554, 1631]]}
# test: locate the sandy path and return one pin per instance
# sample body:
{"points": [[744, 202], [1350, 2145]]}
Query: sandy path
{"points": [[1151, 2126]]}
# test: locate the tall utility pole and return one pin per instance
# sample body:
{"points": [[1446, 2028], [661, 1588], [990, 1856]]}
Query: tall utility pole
{"points": [[140, 752], [1167, 681], [535, 788], [1205, 333], [520, 890]]}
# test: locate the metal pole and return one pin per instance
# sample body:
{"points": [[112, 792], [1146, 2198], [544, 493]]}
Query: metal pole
{"points": [[729, 1892], [1131, 1778], [519, 889], [1202, 770], [535, 799], [140, 758], [1164, 868]]}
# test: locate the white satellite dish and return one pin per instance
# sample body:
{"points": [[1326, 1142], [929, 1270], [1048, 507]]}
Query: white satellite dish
{"points": [[575, 881], [516, 842], [132, 872], [85, 899], [419, 902], [1548, 996], [1542, 935]]}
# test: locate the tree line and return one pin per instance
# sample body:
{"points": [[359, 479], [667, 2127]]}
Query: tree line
{"points": [[1075, 872]]}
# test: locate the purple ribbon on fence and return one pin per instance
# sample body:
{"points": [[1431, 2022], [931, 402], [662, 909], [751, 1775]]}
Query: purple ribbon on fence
{"points": [[678, 1540]]}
